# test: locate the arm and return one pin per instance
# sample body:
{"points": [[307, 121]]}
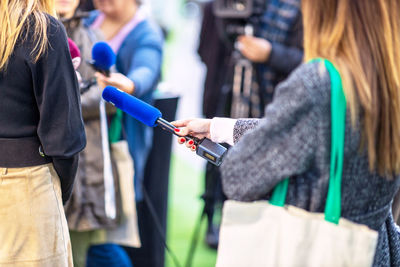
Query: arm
{"points": [[145, 68], [282, 58], [219, 130], [283, 144], [60, 127], [225, 130]]}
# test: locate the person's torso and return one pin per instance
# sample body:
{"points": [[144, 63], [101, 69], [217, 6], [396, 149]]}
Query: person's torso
{"points": [[19, 114]]}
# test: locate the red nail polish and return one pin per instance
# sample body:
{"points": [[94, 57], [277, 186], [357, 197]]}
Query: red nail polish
{"points": [[191, 142], [177, 130], [183, 140], [194, 147]]}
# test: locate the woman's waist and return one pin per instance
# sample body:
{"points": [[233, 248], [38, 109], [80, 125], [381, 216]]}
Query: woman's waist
{"points": [[21, 152]]}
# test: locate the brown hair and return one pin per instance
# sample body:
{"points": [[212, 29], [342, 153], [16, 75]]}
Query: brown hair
{"points": [[361, 37], [14, 15]]}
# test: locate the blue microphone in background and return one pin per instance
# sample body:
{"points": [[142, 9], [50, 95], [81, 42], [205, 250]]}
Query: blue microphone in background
{"points": [[103, 58], [152, 117]]}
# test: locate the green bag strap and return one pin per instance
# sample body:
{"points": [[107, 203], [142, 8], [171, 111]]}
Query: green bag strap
{"points": [[114, 133], [338, 118]]}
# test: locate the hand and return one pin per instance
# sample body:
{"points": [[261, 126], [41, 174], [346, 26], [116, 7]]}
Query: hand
{"points": [[79, 77], [117, 80], [199, 128], [255, 49]]}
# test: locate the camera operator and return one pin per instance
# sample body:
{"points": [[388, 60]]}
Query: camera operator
{"points": [[276, 49]]}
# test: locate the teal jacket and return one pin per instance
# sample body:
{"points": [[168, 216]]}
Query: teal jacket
{"points": [[139, 58]]}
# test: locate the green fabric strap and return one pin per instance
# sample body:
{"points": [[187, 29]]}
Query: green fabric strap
{"points": [[338, 118], [114, 133], [278, 197]]}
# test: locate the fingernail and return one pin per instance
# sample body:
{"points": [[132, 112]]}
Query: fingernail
{"points": [[193, 147], [182, 140], [177, 130], [191, 142]]}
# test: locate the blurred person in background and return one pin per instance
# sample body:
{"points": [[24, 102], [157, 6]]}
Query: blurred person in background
{"points": [[86, 5], [86, 212], [275, 51], [293, 139], [137, 43], [41, 135]]}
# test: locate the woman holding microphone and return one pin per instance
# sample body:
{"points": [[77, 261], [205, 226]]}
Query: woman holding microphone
{"points": [[41, 134], [293, 139]]}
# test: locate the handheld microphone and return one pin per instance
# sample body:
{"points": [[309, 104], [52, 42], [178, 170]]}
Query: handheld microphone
{"points": [[103, 58], [75, 53], [152, 117]]}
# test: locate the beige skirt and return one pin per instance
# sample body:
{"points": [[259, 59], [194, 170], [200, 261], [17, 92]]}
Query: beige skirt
{"points": [[33, 228]]}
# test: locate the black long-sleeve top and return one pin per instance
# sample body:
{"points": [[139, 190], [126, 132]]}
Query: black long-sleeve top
{"points": [[40, 106]]}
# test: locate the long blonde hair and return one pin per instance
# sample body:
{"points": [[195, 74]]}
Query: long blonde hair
{"points": [[14, 16], [362, 38]]}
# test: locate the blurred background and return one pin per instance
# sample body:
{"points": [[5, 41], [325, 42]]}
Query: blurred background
{"points": [[184, 73]]}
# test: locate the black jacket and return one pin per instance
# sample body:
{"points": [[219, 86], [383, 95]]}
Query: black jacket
{"points": [[40, 106]]}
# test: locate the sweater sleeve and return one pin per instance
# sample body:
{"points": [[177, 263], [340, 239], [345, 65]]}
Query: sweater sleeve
{"points": [[60, 129], [145, 65], [291, 54], [283, 144], [242, 126], [292, 58]]}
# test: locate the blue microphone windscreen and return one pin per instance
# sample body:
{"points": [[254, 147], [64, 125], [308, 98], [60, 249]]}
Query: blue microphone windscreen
{"points": [[103, 56], [138, 109]]}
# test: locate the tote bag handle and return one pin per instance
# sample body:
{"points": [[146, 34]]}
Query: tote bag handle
{"points": [[115, 130], [338, 121]]}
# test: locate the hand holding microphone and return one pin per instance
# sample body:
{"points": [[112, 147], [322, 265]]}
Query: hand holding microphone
{"points": [[199, 128], [103, 58], [117, 80], [152, 117]]}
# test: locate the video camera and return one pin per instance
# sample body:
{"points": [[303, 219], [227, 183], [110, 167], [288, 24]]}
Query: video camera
{"points": [[239, 16]]}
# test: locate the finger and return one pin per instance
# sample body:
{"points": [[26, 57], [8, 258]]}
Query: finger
{"points": [[241, 38], [99, 76], [181, 123], [246, 53], [183, 131], [247, 41], [193, 148], [190, 143], [181, 140]]}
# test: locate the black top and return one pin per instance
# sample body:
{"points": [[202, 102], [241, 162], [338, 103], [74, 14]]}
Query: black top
{"points": [[40, 101]]}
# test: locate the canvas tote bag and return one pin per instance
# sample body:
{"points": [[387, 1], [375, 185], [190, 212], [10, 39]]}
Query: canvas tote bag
{"points": [[265, 233], [127, 231]]}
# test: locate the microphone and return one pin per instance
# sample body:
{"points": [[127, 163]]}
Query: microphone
{"points": [[103, 58], [152, 117], [75, 53]]}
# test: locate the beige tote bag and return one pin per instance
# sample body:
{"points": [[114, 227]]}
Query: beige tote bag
{"points": [[265, 233], [126, 232]]}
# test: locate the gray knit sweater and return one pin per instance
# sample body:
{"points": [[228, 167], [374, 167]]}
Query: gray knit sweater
{"points": [[293, 140]]}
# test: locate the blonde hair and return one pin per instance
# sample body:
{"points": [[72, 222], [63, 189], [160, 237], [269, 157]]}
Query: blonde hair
{"points": [[14, 16], [362, 39]]}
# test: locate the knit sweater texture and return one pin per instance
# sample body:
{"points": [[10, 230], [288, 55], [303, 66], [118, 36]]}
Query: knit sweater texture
{"points": [[293, 140]]}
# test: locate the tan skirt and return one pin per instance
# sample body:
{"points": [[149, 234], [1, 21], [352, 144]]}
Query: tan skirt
{"points": [[33, 228]]}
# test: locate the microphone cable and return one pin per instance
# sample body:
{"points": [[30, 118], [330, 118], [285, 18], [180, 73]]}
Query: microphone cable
{"points": [[158, 226]]}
